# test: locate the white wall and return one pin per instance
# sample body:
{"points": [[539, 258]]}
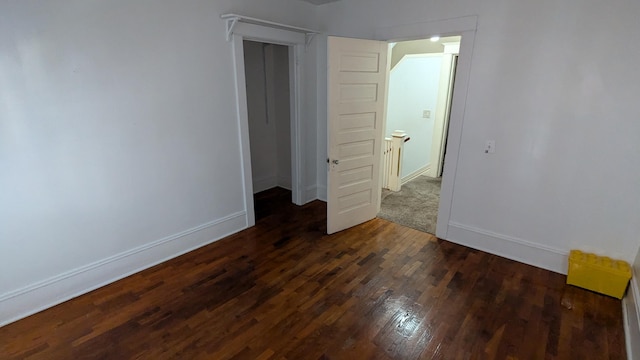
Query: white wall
{"points": [[119, 142], [555, 85], [413, 87], [267, 78], [281, 94]]}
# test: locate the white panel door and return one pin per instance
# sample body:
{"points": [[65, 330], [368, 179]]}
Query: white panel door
{"points": [[356, 100]]}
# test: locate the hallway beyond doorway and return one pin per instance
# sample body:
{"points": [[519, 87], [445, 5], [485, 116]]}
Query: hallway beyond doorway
{"points": [[415, 205]]}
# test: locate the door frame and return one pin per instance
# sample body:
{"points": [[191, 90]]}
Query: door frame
{"points": [[295, 41], [443, 109], [465, 27]]}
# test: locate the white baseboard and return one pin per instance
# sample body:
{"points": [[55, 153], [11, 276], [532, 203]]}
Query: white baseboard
{"points": [[310, 194], [631, 313], [415, 174], [284, 183], [322, 193], [264, 183], [20, 303], [509, 247]]}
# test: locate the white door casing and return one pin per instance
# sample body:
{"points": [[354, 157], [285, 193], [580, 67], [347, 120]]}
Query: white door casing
{"points": [[441, 121], [356, 100]]}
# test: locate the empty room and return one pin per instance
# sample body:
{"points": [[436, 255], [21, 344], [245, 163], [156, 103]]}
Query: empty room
{"points": [[140, 219]]}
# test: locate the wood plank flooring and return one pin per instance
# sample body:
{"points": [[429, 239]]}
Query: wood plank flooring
{"points": [[285, 290]]}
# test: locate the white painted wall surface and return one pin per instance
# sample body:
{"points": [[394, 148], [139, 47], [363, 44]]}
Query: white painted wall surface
{"points": [[281, 93], [119, 142], [555, 85], [413, 87]]}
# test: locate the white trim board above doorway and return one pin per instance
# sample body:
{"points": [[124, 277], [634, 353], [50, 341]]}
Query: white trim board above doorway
{"points": [[233, 19]]}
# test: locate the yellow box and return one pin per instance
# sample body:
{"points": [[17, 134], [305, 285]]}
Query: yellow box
{"points": [[598, 273]]}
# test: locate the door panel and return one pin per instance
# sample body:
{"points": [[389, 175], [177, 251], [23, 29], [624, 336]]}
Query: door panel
{"points": [[356, 90]]}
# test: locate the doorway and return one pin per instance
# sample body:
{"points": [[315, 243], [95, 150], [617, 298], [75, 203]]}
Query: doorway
{"points": [[421, 80], [464, 27], [240, 29], [268, 107]]}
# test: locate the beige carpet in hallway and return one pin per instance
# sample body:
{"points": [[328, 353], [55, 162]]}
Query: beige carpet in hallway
{"points": [[415, 205]]}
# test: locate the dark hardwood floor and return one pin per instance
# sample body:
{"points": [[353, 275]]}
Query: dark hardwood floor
{"points": [[285, 290]]}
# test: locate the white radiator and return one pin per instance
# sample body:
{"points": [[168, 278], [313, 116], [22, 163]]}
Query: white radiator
{"points": [[387, 156]]}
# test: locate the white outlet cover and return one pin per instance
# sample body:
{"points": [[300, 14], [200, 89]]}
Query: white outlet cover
{"points": [[426, 114]]}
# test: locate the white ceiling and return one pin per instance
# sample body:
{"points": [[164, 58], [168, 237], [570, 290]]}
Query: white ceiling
{"points": [[320, 2]]}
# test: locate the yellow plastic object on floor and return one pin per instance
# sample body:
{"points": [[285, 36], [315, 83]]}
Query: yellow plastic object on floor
{"points": [[598, 273]]}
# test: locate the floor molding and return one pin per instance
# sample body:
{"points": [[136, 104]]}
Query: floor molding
{"points": [[20, 303], [631, 313], [520, 250], [284, 182], [263, 183], [415, 174], [322, 193]]}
